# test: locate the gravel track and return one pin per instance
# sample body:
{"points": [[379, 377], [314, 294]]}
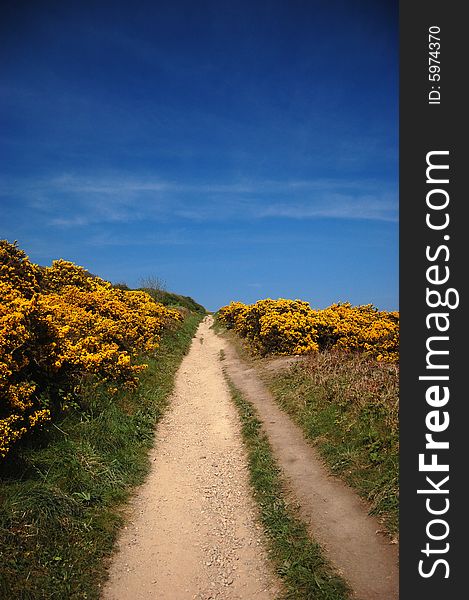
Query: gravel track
{"points": [[192, 530]]}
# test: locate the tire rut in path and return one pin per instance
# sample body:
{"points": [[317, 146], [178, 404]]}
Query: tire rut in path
{"points": [[336, 516], [192, 532]]}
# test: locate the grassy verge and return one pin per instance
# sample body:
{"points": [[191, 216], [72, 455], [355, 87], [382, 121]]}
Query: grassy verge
{"points": [[299, 560], [347, 404], [61, 502]]}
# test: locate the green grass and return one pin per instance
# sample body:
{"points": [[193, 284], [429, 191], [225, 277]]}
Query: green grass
{"points": [[62, 498], [217, 326], [175, 300], [347, 404], [154, 288], [299, 561]]}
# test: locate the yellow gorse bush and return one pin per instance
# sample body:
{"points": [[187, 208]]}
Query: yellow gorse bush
{"points": [[293, 327], [359, 328], [59, 324], [273, 326]]}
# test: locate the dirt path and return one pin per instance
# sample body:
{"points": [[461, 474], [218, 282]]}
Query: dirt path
{"points": [[192, 530], [336, 516]]}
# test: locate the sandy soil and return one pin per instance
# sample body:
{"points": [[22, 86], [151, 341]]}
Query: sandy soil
{"points": [[336, 516], [192, 530]]}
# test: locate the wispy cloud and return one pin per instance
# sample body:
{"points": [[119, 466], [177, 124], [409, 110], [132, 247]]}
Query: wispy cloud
{"points": [[73, 221], [255, 285], [71, 201], [337, 206], [173, 237]]}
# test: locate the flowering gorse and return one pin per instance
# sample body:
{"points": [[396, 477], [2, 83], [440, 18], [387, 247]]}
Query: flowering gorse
{"points": [[60, 324], [293, 327]]}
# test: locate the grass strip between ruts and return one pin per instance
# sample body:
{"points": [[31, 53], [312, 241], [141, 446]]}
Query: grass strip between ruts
{"points": [[299, 561]]}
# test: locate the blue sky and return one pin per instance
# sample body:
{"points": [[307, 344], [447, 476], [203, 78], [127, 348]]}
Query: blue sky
{"points": [[236, 150]]}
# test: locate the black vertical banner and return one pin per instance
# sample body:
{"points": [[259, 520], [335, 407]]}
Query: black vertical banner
{"points": [[433, 254]]}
